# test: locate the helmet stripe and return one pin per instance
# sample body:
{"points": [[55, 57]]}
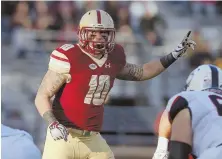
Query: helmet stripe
{"points": [[98, 16], [214, 76]]}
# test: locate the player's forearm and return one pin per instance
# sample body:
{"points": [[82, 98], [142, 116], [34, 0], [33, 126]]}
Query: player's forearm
{"points": [[132, 72], [156, 67], [42, 104], [164, 131], [50, 84], [165, 126], [152, 69], [44, 108]]}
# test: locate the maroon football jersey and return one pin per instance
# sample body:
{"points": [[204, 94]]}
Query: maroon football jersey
{"points": [[79, 103]]}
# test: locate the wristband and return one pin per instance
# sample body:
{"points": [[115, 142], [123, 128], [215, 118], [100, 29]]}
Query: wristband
{"points": [[162, 143], [49, 117], [167, 60], [179, 150]]}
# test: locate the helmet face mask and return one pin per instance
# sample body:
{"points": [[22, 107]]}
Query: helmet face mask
{"points": [[93, 46], [92, 23]]}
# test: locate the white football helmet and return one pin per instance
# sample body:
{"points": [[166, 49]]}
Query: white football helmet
{"points": [[96, 20], [204, 77]]}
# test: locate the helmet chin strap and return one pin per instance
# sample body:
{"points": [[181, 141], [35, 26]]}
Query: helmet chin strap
{"points": [[98, 56]]}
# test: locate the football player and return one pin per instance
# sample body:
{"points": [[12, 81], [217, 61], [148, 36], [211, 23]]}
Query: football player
{"points": [[81, 76], [192, 120], [17, 144]]}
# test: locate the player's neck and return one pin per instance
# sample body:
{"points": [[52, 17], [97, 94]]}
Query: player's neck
{"points": [[97, 56], [100, 56]]}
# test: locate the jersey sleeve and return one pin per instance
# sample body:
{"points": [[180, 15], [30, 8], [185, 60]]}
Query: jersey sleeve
{"points": [[175, 105], [59, 61], [171, 102]]}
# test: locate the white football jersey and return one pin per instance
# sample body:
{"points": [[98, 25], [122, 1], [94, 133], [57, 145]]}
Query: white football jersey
{"points": [[206, 115], [17, 144]]}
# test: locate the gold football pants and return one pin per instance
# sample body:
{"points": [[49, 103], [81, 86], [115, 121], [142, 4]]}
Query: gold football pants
{"points": [[77, 147]]}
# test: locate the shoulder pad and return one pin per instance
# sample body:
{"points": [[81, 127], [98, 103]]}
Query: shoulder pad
{"points": [[171, 101], [65, 48], [120, 54], [59, 62]]}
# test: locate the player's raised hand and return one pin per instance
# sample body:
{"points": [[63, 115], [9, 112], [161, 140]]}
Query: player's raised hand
{"points": [[58, 131], [160, 154], [183, 46]]}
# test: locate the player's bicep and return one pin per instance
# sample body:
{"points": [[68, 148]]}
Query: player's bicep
{"points": [[131, 72], [51, 83], [181, 127]]}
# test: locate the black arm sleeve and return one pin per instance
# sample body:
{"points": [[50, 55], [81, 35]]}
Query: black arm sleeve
{"points": [[179, 150], [167, 60]]}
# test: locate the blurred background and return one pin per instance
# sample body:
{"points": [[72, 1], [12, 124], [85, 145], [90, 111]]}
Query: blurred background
{"points": [[146, 29]]}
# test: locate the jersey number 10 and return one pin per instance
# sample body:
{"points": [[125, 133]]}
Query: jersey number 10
{"points": [[217, 101], [98, 89]]}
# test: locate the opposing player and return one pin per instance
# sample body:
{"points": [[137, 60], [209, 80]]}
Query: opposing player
{"points": [[81, 76], [17, 144], [193, 118]]}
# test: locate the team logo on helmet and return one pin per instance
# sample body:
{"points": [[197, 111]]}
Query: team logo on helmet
{"points": [[207, 82]]}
